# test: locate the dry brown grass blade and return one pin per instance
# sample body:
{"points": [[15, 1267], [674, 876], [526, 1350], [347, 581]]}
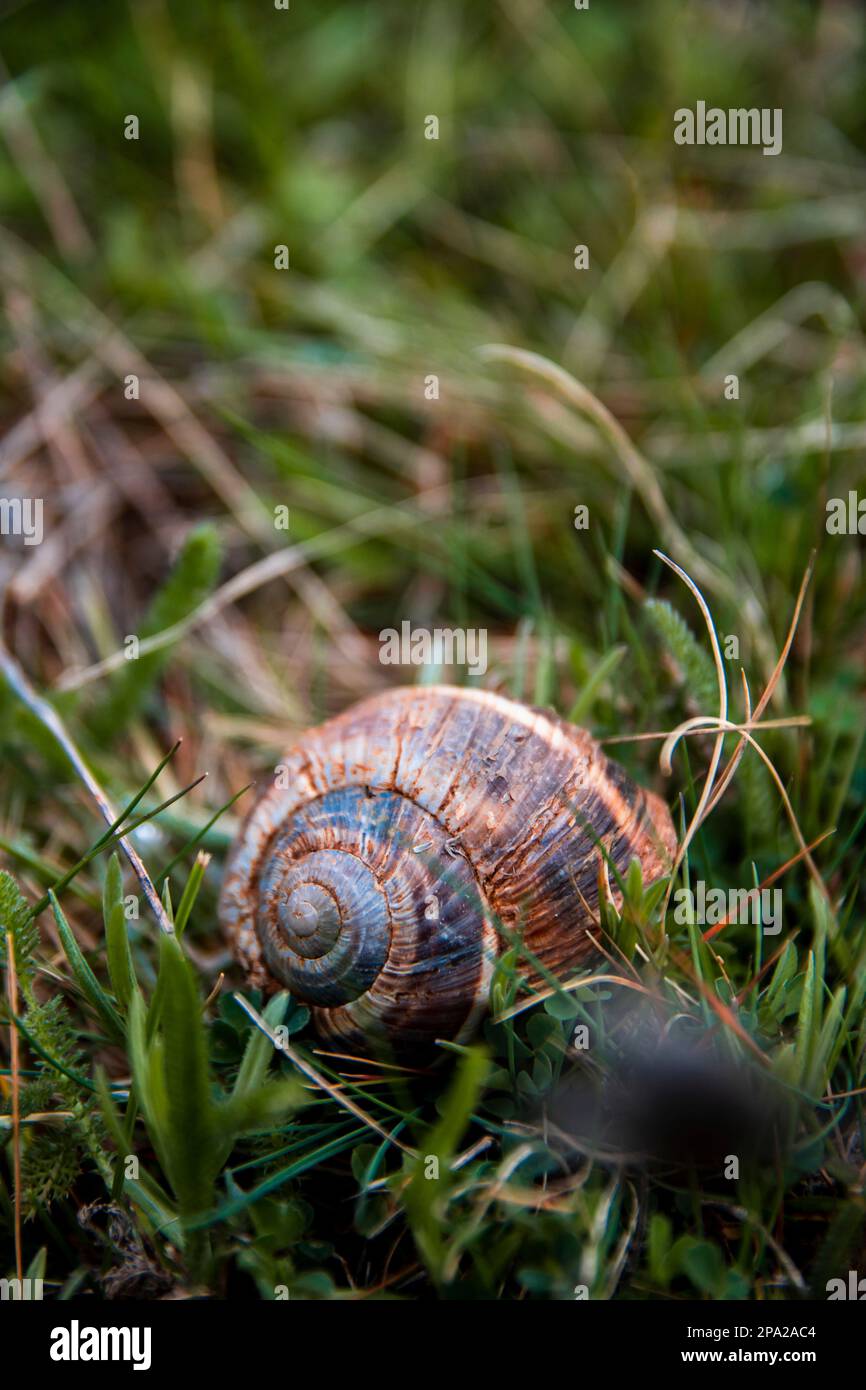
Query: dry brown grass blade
{"points": [[370, 1062], [59, 435], [706, 793], [722, 725], [726, 1015], [773, 878], [709, 722], [166, 404], [261, 572], [737, 754], [767, 966], [50, 719], [80, 528], [567, 986], [307, 1069], [62, 400], [793, 721]]}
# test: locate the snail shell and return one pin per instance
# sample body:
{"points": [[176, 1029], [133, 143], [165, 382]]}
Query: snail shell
{"points": [[370, 878]]}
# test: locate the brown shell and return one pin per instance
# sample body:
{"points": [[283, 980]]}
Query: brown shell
{"points": [[403, 838]]}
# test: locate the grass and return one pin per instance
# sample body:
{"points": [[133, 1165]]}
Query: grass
{"points": [[142, 1092]]}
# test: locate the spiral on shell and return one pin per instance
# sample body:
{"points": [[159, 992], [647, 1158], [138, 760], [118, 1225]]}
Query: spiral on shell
{"points": [[404, 843]]}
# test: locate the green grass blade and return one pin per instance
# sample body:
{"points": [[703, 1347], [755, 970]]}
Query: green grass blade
{"points": [[84, 976], [121, 970]]}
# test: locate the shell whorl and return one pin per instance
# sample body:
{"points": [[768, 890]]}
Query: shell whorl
{"points": [[371, 877]]}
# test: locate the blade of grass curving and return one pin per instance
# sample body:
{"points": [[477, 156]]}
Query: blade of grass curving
{"points": [[314, 1074], [87, 981], [259, 1051], [710, 722], [771, 684], [265, 1159], [707, 790], [109, 840], [49, 717], [226, 1210]]}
